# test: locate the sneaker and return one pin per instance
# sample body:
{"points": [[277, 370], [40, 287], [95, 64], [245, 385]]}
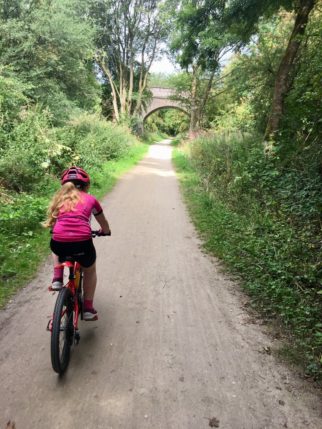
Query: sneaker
{"points": [[56, 284], [90, 314]]}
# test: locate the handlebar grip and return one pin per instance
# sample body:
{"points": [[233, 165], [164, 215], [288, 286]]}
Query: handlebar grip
{"points": [[100, 234]]}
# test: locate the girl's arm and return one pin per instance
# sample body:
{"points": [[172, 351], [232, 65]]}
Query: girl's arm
{"points": [[101, 219]]}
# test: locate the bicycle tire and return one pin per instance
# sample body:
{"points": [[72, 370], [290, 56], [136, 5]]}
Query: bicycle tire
{"points": [[81, 295], [62, 331]]}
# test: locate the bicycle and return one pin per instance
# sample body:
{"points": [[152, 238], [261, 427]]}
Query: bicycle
{"points": [[68, 308]]}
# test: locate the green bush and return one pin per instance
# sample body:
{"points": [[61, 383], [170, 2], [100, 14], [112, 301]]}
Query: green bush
{"points": [[31, 145], [235, 168], [36, 151], [93, 141], [12, 100], [24, 212]]}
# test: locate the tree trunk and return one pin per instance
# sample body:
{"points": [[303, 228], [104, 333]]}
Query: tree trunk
{"points": [[131, 86], [283, 80], [203, 103], [194, 104], [108, 74], [123, 91]]}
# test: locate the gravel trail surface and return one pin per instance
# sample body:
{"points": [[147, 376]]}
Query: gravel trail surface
{"points": [[173, 347]]}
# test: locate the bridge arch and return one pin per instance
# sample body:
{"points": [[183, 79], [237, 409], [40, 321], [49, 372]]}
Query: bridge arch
{"points": [[162, 99], [166, 106]]}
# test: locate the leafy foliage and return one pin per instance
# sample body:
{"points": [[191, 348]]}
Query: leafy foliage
{"points": [[160, 80], [50, 48], [29, 152], [248, 81], [93, 141], [12, 100], [168, 121], [303, 108]]}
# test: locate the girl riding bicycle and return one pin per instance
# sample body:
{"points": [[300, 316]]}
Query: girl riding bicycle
{"points": [[69, 216]]}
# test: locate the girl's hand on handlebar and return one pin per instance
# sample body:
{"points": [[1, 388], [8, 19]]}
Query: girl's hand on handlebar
{"points": [[100, 233]]}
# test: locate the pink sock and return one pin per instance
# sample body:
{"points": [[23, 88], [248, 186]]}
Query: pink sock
{"points": [[58, 272], [88, 304]]}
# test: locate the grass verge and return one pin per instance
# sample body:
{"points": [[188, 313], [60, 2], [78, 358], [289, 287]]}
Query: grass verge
{"points": [[24, 246], [262, 252]]}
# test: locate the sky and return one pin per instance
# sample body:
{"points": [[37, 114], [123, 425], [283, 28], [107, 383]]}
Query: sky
{"points": [[162, 65]]}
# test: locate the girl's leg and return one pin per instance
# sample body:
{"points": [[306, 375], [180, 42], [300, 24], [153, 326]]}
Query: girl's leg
{"points": [[90, 280], [89, 286], [55, 259], [58, 273]]}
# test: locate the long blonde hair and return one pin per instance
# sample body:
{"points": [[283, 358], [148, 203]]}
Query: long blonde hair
{"points": [[63, 201]]}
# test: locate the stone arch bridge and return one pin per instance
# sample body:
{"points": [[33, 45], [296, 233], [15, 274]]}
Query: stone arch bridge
{"points": [[161, 99]]}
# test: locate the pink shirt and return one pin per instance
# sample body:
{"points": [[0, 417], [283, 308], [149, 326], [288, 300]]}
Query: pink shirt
{"points": [[75, 225]]}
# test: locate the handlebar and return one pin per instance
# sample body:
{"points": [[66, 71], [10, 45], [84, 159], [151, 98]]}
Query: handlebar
{"points": [[100, 233]]}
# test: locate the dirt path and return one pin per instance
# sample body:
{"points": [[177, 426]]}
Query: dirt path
{"points": [[173, 347]]}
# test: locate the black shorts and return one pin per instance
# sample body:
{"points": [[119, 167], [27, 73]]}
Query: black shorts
{"points": [[81, 251]]}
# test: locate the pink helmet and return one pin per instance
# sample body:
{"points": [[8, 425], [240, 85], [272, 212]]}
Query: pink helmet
{"points": [[75, 174]]}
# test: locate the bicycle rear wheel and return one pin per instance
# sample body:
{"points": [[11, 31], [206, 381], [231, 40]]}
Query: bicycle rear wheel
{"points": [[62, 331], [80, 295]]}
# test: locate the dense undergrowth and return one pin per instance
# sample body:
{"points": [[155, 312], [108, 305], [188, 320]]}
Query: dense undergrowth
{"points": [[262, 217], [33, 156]]}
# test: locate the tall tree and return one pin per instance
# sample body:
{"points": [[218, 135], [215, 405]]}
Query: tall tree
{"points": [[285, 75], [242, 19], [231, 23], [198, 44], [128, 34]]}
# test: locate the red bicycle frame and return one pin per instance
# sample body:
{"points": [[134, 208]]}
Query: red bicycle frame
{"points": [[72, 284]]}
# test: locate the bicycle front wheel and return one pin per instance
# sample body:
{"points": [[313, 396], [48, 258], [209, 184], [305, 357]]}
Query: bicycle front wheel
{"points": [[62, 331]]}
